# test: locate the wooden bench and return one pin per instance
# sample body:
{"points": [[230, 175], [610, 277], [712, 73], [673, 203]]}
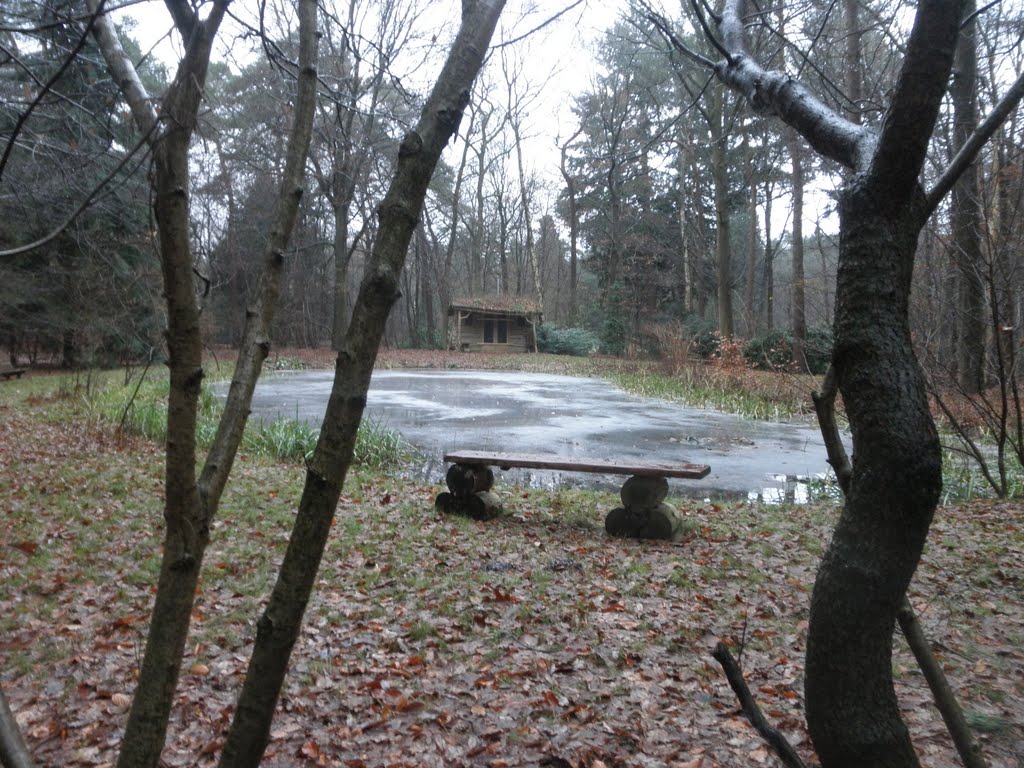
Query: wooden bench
{"points": [[643, 514], [12, 373]]}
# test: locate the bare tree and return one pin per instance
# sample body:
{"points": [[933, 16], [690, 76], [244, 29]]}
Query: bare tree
{"points": [[572, 214], [517, 89], [191, 501], [399, 212], [896, 476], [966, 214]]}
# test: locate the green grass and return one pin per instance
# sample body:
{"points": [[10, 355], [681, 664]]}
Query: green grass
{"points": [[713, 392], [142, 410]]}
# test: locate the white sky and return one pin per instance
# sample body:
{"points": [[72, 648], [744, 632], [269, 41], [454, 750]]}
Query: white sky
{"points": [[559, 64]]}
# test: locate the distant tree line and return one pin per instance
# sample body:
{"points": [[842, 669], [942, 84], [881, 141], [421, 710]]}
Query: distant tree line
{"points": [[671, 208]]}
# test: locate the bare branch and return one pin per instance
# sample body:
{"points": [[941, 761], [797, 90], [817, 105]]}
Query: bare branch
{"points": [[825, 407], [86, 203], [978, 13], [773, 92], [773, 736], [548, 21], [974, 143], [716, 44], [123, 71], [662, 25], [45, 89], [945, 700]]}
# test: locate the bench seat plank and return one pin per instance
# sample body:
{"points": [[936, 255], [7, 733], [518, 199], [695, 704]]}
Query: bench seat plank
{"points": [[641, 469]]}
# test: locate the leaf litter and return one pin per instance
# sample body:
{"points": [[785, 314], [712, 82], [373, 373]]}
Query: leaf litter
{"points": [[533, 639]]}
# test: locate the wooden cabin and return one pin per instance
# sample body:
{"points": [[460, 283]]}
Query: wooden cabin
{"points": [[494, 324]]}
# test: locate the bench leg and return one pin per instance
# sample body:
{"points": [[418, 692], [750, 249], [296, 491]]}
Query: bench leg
{"points": [[469, 492], [644, 513]]}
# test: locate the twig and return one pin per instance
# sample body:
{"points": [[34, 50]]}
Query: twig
{"points": [[131, 400], [772, 735], [945, 700], [825, 407]]}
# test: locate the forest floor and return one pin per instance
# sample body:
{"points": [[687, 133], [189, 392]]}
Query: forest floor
{"points": [[529, 640]]}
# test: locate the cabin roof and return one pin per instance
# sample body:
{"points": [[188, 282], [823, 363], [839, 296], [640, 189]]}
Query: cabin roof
{"points": [[510, 305]]}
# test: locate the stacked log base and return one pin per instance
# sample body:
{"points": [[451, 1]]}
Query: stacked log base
{"points": [[469, 493], [644, 513]]}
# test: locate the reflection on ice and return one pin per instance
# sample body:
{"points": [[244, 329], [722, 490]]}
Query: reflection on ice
{"points": [[439, 411]]}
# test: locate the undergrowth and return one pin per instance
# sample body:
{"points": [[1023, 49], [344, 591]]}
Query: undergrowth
{"points": [[142, 410]]}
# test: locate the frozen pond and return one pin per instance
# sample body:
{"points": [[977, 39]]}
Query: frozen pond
{"points": [[438, 411]]}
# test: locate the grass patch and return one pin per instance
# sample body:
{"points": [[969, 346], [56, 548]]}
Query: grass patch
{"points": [[756, 395], [142, 410]]}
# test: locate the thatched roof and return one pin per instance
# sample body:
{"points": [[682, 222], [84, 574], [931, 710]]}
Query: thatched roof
{"points": [[506, 304]]}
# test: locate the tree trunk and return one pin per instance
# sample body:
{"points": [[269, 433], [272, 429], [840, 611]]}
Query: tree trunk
{"points": [[531, 249], [852, 710], [749, 309], [190, 503], [574, 224], [797, 308], [769, 263], [723, 249], [477, 270], [966, 214], [420, 150], [187, 525], [444, 278], [341, 205]]}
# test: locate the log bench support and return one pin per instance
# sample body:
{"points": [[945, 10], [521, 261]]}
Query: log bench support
{"points": [[12, 373], [644, 513]]}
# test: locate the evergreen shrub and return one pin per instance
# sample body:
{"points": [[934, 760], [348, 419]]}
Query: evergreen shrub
{"points": [[577, 342], [818, 349], [769, 351], [613, 336], [706, 341]]}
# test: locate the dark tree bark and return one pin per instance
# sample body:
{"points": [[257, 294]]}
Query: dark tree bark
{"points": [[191, 502], [966, 214], [13, 750], [420, 150], [896, 476]]}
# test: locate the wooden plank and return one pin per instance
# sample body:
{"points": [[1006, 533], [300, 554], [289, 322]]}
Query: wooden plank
{"points": [[643, 469], [15, 373]]}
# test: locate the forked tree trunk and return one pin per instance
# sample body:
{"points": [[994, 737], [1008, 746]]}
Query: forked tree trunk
{"points": [[896, 476], [190, 502]]}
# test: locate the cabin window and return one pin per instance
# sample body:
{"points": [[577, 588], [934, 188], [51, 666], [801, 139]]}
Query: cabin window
{"points": [[495, 331]]}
